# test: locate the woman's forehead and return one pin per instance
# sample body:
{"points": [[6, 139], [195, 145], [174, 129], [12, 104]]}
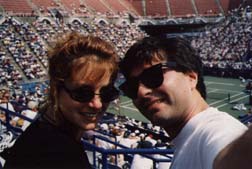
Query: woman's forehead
{"points": [[91, 80], [94, 77], [91, 71]]}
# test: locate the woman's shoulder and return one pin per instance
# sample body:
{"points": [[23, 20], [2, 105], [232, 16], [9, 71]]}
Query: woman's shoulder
{"points": [[43, 134]]}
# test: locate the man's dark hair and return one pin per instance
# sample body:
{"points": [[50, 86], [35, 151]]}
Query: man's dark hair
{"points": [[175, 49]]}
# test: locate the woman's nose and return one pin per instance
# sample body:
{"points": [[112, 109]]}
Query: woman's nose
{"points": [[96, 102]]}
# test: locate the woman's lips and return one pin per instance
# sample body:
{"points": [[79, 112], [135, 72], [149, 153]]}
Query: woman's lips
{"points": [[89, 114]]}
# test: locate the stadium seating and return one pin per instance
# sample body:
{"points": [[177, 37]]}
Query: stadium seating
{"points": [[116, 6], [181, 8], [156, 8], [44, 6], [121, 149], [150, 8], [207, 8], [19, 7], [138, 6], [225, 5], [72, 6], [98, 6]]}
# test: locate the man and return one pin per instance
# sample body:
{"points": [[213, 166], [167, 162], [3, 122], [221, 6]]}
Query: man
{"points": [[165, 80]]}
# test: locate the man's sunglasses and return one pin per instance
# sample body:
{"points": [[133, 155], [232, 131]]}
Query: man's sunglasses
{"points": [[85, 93], [151, 77]]}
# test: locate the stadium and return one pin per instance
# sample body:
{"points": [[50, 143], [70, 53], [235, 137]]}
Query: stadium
{"points": [[220, 31]]}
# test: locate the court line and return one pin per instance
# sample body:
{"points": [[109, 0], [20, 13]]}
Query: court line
{"points": [[126, 107], [225, 98], [232, 101], [234, 91], [129, 104], [213, 90], [228, 84], [126, 102]]}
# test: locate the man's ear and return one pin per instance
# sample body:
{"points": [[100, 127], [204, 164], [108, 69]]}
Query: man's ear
{"points": [[193, 77]]}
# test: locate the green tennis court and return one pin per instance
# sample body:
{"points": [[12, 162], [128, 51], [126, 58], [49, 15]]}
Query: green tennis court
{"points": [[222, 93]]}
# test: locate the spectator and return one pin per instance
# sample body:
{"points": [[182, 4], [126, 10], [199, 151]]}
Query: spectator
{"points": [[5, 100], [165, 81], [31, 113], [139, 161], [82, 71], [5, 103]]}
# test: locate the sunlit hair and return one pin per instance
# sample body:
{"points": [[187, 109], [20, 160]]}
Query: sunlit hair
{"points": [[97, 60]]}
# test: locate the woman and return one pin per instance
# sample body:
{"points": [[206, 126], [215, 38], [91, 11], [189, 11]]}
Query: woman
{"points": [[82, 70]]}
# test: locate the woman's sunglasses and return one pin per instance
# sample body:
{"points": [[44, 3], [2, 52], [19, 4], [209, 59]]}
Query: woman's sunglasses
{"points": [[151, 77], [85, 93]]}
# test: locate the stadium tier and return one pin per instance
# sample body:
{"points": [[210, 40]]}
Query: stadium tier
{"points": [[154, 8], [220, 31]]}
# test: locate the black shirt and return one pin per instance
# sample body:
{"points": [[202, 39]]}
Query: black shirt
{"points": [[44, 145]]}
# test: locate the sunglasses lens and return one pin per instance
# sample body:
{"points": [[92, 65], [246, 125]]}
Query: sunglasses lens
{"points": [[152, 77], [109, 93], [83, 94]]}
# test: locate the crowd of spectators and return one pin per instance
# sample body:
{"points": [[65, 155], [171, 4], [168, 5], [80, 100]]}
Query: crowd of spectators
{"points": [[226, 48], [24, 102], [24, 45], [8, 73], [126, 131], [132, 134], [16, 46]]}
